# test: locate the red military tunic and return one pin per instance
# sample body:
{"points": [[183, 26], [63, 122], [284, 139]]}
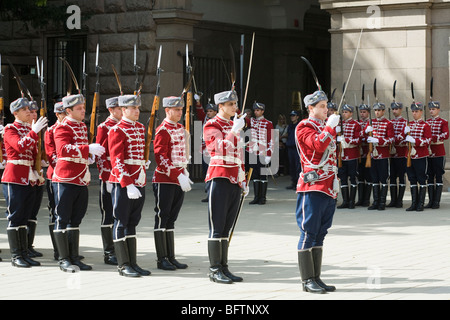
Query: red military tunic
{"points": [[104, 161], [226, 151], [72, 152], [439, 133], [261, 139], [383, 129], [314, 139], [20, 146], [170, 152], [399, 147], [421, 132], [364, 146], [351, 139], [50, 149], [126, 142]]}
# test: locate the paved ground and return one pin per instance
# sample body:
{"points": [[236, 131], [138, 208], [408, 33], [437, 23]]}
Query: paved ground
{"points": [[381, 255]]}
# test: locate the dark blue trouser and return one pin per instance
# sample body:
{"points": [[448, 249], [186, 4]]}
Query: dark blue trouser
{"points": [[436, 170], [348, 171], [295, 166], [106, 207], [314, 214], [51, 202], [17, 199], [380, 171], [168, 201], [417, 173], [223, 206], [71, 203], [397, 170], [38, 192], [126, 212]]}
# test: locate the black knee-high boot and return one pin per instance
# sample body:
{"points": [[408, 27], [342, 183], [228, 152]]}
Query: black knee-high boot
{"points": [[215, 263], [306, 266], [317, 253], [170, 238], [414, 193], [123, 260], [161, 251], [16, 252], [437, 196], [224, 247], [257, 191]]}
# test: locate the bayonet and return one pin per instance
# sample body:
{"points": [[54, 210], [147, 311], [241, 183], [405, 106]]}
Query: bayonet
{"points": [[136, 71], [96, 101], [84, 74]]}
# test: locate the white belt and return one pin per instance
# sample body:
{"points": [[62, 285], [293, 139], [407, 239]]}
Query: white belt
{"points": [[228, 159], [135, 162], [28, 163], [436, 143], [76, 160]]}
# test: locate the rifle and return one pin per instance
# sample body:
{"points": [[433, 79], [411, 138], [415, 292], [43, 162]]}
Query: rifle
{"points": [[96, 100], [408, 157], [43, 112], [2, 114], [84, 74], [155, 108], [190, 94], [369, 154]]}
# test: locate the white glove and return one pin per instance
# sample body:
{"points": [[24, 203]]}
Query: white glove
{"points": [[91, 160], [109, 186], [369, 129], [372, 140], [333, 121], [267, 159], [238, 123], [185, 182], [147, 164], [407, 129], [44, 164], [339, 138], [196, 97], [96, 149], [1, 129], [133, 192], [410, 139], [39, 124], [338, 129], [2, 165], [245, 188]]}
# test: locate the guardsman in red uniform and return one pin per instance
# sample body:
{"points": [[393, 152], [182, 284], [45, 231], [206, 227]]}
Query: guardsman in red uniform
{"points": [[364, 177], [104, 170], [70, 180], [436, 159], [420, 138], [349, 141], [126, 142], [20, 140], [317, 188], [170, 181], [50, 150], [382, 136], [399, 151], [226, 172], [260, 150]]}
